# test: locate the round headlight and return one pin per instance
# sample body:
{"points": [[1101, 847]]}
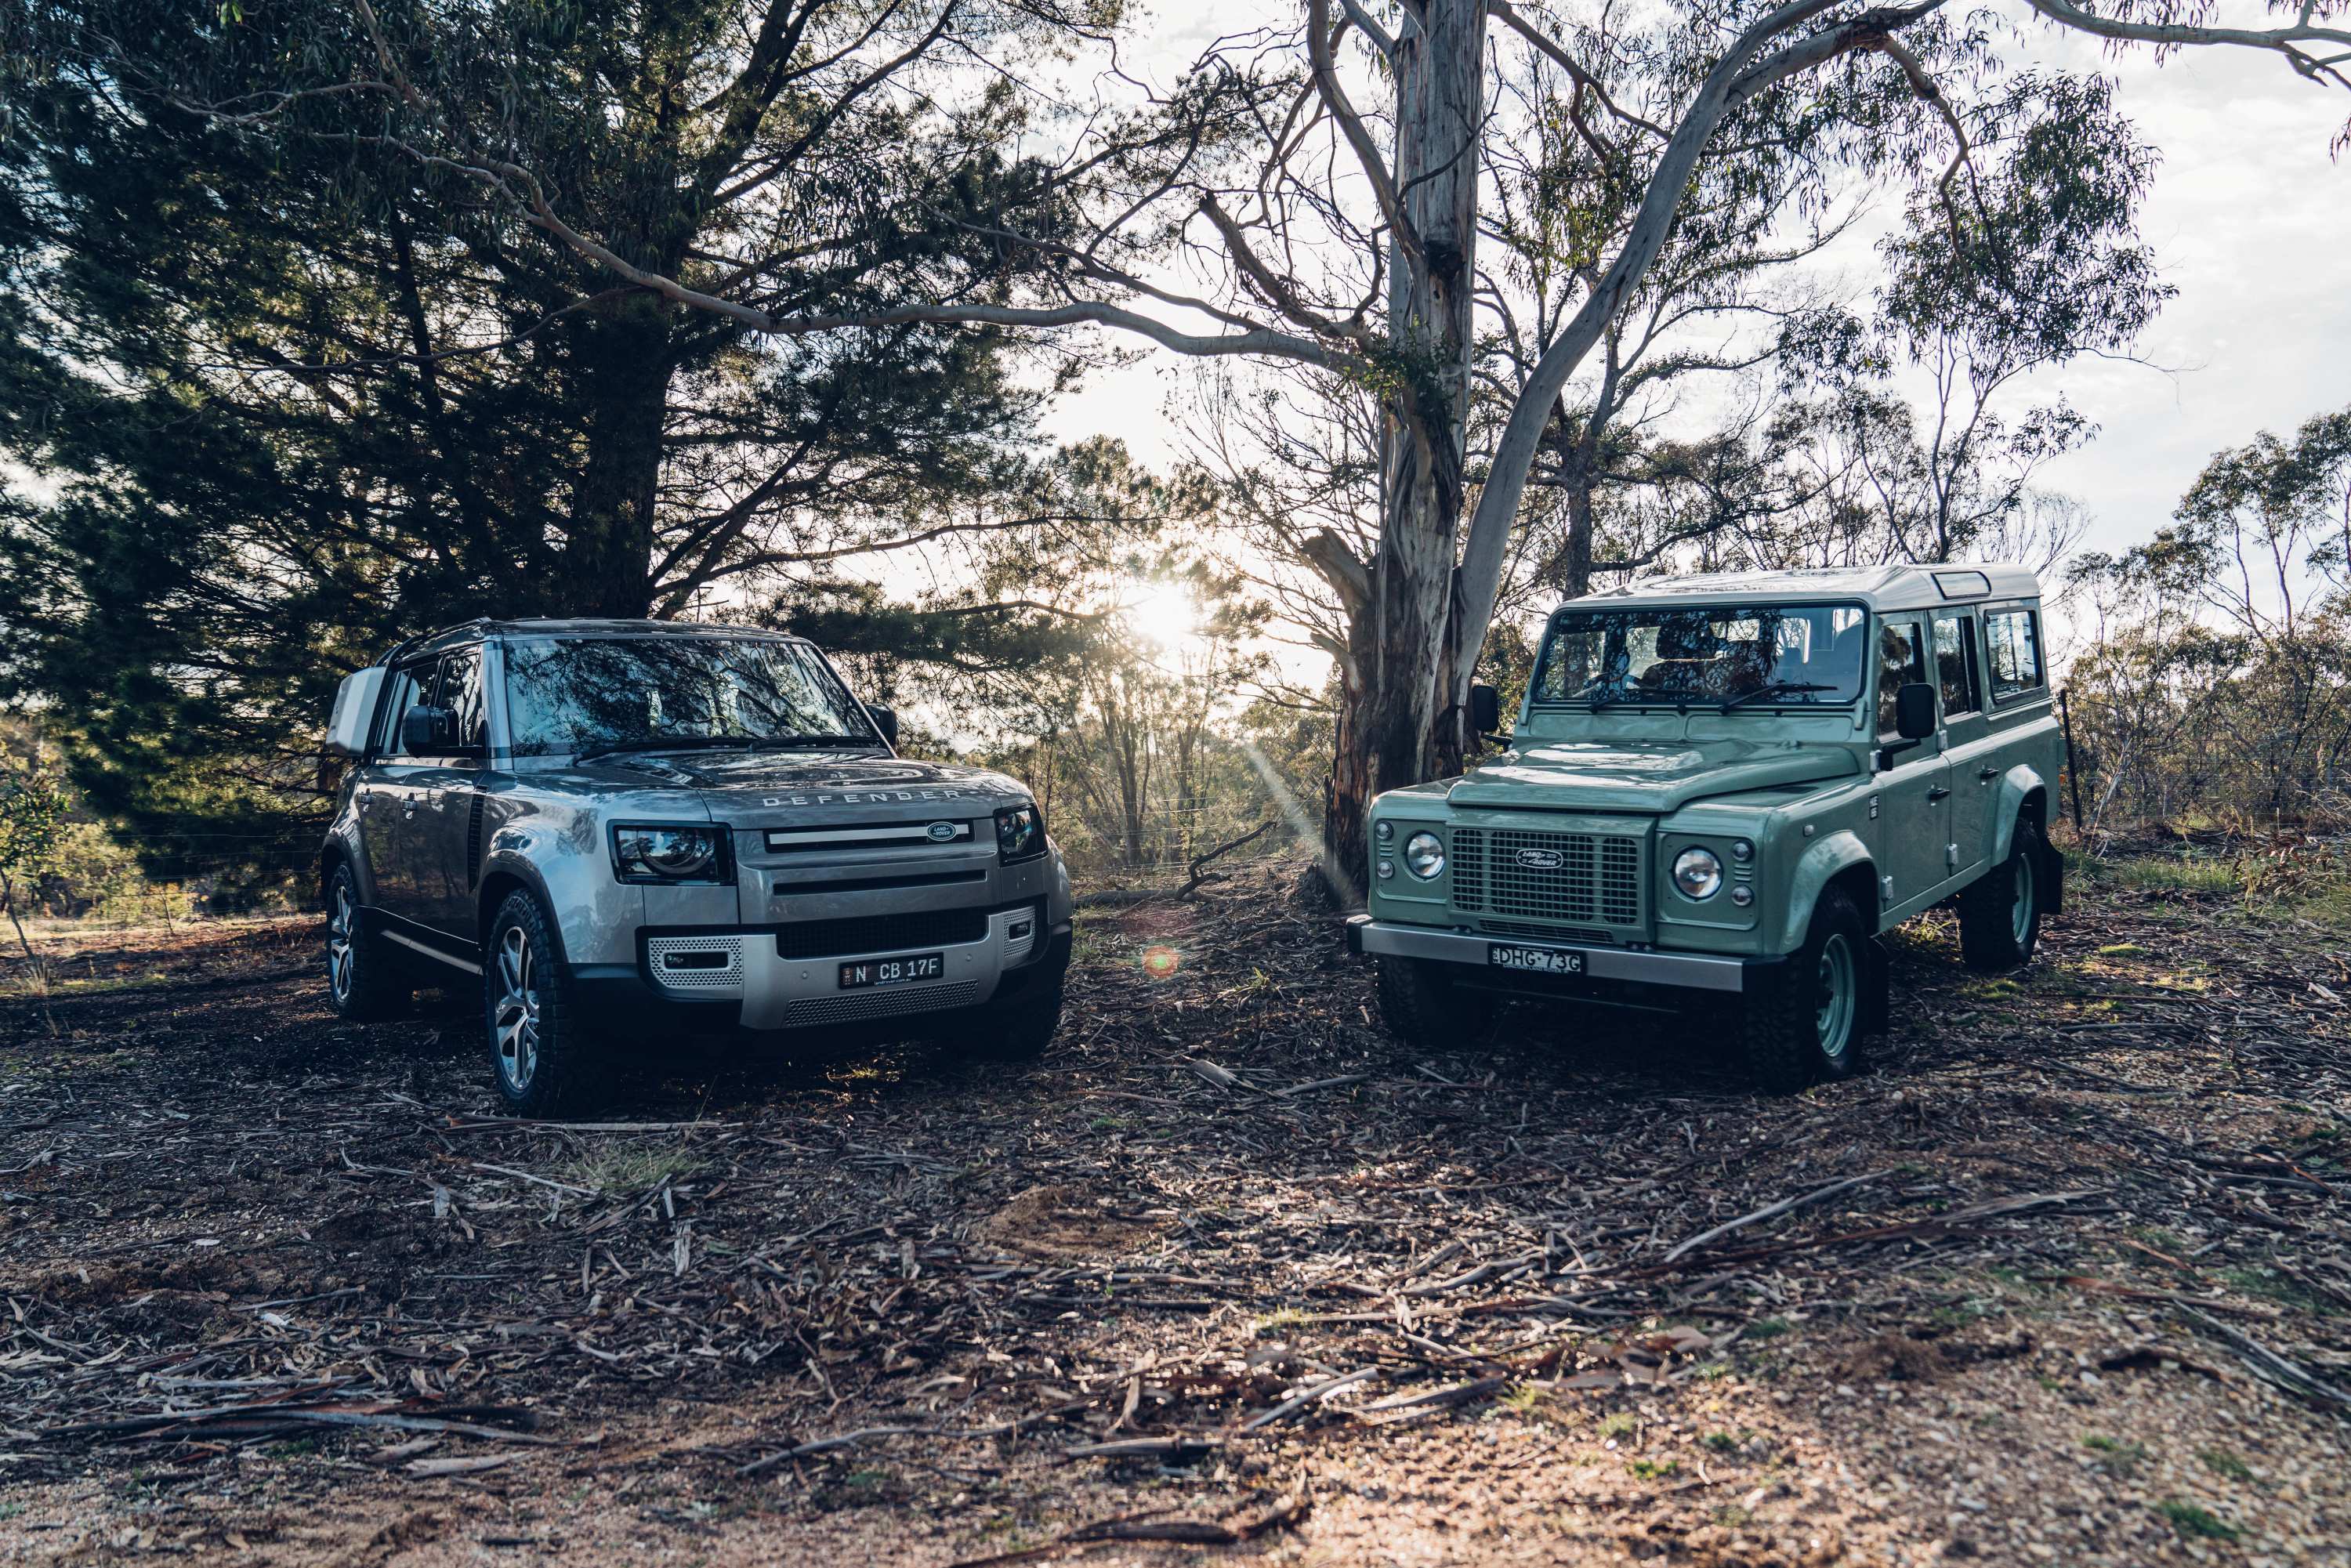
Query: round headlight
{"points": [[1698, 873], [1423, 855]]}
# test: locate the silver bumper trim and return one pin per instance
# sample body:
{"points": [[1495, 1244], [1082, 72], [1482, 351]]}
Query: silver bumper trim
{"points": [[1691, 970]]}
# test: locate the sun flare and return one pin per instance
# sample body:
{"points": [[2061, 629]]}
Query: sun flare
{"points": [[1164, 614]]}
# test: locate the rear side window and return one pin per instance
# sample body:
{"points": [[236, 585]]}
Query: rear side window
{"points": [[2014, 637], [1955, 663], [1901, 660], [462, 692]]}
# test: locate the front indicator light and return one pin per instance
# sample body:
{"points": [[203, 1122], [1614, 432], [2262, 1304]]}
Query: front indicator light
{"points": [[1387, 869], [1424, 856], [1742, 895], [1698, 874]]}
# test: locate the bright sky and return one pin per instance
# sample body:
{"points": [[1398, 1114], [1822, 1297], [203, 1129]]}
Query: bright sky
{"points": [[2251, 219]]}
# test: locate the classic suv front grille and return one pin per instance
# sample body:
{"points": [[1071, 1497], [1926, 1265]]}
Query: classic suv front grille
{"points": [[880, 933], [1591, 934], [1576, 877]]}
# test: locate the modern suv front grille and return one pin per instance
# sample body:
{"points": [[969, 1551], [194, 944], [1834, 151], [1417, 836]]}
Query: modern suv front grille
{"points": [[1579, 877], [880, 933]]}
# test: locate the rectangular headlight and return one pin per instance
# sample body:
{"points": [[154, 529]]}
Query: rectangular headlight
{"points": [[689, 853], [1020, 833]]}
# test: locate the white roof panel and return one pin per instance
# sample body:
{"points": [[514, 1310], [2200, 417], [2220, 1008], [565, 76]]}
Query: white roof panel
{"points": [[1879, 586]]}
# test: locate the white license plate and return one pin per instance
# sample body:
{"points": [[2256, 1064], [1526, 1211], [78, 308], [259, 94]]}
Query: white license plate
{"points": [[1534, 960], [891, 971]]}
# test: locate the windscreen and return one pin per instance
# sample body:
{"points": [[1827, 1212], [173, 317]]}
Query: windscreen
{"points": [[1796, 654], [567, 695]]}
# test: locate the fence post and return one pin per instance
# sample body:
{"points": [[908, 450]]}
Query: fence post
{"points": [[2073, 774]]}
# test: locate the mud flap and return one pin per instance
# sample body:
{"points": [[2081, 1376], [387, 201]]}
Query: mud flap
{"points": [[1877, 988]]}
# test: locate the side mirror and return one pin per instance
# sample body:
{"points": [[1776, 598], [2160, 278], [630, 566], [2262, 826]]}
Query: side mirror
{"points": [[885, 720], [1485, 709], [1913, 710], [428, 731]]}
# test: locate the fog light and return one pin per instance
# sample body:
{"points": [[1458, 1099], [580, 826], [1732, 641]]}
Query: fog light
{"points": [[1742, 896]]}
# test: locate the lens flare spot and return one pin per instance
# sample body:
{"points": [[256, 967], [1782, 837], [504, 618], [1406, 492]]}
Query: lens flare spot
{"points": [[1161, 963]]}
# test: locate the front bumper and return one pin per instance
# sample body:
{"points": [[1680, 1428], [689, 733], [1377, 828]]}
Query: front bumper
{"points": [[1684, 971], [743, 977]]}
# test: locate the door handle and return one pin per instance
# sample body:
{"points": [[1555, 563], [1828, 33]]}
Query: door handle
{"points": [[1937, 793], [1987, 773]]}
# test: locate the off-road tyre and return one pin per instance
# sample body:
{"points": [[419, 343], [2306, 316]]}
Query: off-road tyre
{"points": [[545, 1058], [1425, 1008], [1019, 1031], [365, 983], [1788, 1033], [2000, 911]]}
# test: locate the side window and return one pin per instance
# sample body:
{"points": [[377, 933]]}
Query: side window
{"points": [[460, 690], [1901, 660], [402, 692], [2015, 636], [1955, 663]]}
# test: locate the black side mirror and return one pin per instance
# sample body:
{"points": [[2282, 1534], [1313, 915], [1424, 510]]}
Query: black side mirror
{"points": [[428, 731], [885, 720], [1485, 709], [1913, 710]]}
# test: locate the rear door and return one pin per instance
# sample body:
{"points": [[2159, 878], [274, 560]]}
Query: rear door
{"points": [[1911, 806], [1967, 741]]}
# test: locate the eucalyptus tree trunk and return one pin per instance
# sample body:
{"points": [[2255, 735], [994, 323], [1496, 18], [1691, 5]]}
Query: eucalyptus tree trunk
{"points": [[1397, 720]]}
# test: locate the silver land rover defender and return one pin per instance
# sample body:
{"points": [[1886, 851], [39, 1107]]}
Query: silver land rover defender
{"points": [[1724, 786], [623, 829]]}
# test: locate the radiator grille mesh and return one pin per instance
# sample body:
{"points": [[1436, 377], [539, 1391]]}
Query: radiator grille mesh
{"points": [[1514, 873], [880, 933], [890, 1001]]}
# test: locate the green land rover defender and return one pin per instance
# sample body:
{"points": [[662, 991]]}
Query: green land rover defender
{"points": [[1723, 787]]}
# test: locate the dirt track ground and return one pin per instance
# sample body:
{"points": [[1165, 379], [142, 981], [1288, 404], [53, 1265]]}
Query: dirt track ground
{"points": [[283, 1290]]}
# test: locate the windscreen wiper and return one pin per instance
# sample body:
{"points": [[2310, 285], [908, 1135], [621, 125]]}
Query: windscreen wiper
{"points": [[1773, 689], [662, 743]]}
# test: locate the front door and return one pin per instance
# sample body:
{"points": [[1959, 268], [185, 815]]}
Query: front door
{"points": [[448, 794], [1911, 803], [388, 797], [1967, 743]]}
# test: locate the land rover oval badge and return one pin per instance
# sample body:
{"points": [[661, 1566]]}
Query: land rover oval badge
{"points": [[941, 831], [1541, 859]]}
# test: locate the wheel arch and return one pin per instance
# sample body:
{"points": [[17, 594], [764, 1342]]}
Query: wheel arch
{"points": [[504, 877], [2022, 792], [1840, 860]]}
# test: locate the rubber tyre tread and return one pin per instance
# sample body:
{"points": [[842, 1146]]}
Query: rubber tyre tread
{"points": [[573, 1072], [380, 986], [1426, 1010], [1779, 1025], [1987, 944]]}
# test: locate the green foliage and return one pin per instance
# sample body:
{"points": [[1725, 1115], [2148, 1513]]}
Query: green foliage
{"points": [[291, 390], [2219, 687], [2196, 1521]]}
